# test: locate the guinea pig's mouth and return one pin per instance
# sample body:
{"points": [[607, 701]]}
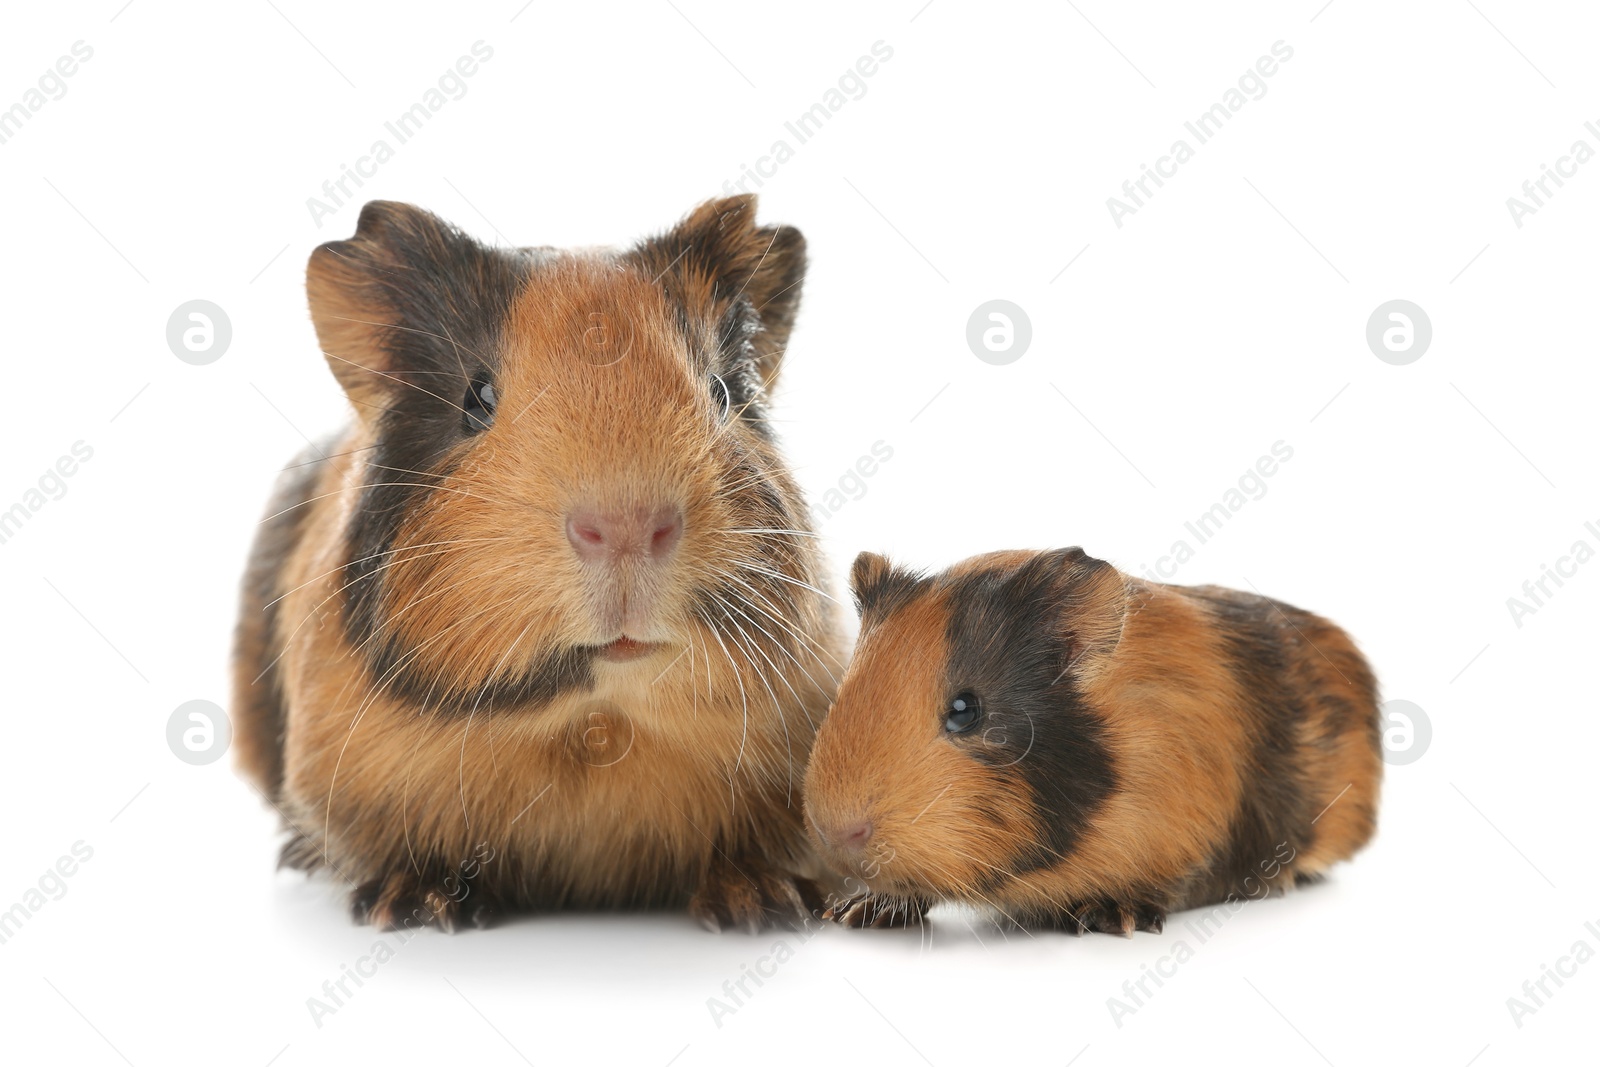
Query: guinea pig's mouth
{"points": [[625, 650]]}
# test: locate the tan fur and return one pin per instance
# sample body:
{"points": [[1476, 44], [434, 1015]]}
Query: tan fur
{"points": [[1157, 673], [1346, 777], [674, 765], [1166, 699], [901, 774]]}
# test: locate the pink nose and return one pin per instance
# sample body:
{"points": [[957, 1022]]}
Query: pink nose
{"points": [[601, 535], [851, 837]]}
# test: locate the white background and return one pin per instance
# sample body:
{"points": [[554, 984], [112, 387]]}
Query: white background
{"points": [[1229, 313]]}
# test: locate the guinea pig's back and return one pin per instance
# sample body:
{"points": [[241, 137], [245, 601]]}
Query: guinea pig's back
{"points": [[1314, 766], [1180, 739], [258, 713]]}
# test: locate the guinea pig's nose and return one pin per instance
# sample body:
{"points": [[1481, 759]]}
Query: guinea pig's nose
{"points": [[851, 836], [599, 535]]}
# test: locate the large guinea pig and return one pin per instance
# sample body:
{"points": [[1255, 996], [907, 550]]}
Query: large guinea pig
{"points": [[1072, 747], [543, 627]]}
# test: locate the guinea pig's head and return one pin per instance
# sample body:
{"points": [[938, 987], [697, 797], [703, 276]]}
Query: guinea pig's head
{"points": [[963, 748], [563, 458]]}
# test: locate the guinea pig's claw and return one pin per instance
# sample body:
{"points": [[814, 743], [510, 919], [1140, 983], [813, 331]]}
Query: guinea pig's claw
{"points": [[1111, 917], [865, 910], [810, 898], [404, 901], [750, 897]]}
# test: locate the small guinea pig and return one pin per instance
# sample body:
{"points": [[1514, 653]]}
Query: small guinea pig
{"points": [[1075, 748], [544, 627]]}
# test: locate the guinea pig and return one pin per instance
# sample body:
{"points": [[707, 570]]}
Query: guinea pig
{"points": [[1043, 736], [545, 626]]}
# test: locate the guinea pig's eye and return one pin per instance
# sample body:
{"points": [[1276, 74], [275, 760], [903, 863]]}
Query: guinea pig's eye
{"points": [[962, 714], [477, 410], [721, 398]]}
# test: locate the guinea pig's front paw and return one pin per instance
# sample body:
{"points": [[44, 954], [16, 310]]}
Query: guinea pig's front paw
{"points": [[879, 912], [1110, 917], [403, 901], [750, 896]]}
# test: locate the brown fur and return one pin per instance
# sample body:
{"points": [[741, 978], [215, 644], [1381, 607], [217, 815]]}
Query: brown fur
{"points": [[665, 777], [1181, 685]]}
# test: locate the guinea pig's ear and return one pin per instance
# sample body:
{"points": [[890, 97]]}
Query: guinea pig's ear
{"points": [[391, 300], [879, 586], [718, 255], [1087, 598]]}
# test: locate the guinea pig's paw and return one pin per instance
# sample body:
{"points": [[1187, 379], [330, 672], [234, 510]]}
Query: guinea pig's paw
{"points": [[402, 900], [300, 853], [751, 896], [1110, 917], [865, 910]]}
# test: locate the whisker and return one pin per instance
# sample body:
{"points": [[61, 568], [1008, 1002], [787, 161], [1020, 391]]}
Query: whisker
{"points": [[749, 643], [391, 377], [379, 555], [377, 485], [461, 765], [771, 530], [325, 458], [773, 613], [744, 703], [422, 333], [315, 608], [784, 649]]}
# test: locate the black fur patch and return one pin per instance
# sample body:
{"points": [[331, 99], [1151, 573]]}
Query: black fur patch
{"points": [[562, 671], [735, 363], [446, 298], [1006, 648], [721, 340], [754, 278], [880, 589], [1274, 809], [275, 541]]}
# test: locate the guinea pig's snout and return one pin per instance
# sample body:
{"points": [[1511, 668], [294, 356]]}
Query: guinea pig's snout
{"points": [[603, 534], [850, 836]]}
